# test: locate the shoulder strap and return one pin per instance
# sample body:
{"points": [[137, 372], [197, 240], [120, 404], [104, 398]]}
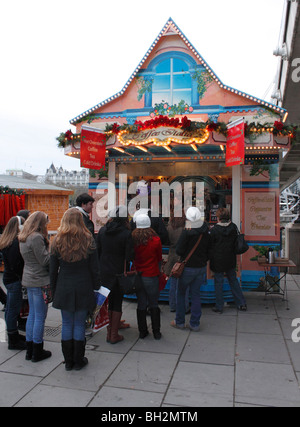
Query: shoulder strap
{"points": [[238, 231], [194, 248]]}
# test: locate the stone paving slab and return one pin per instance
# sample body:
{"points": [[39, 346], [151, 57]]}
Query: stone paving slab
{"points": [[238, 359], [266, 384], [201, 385]]}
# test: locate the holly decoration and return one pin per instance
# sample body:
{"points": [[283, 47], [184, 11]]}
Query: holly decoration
{"points": [[251, 129]]}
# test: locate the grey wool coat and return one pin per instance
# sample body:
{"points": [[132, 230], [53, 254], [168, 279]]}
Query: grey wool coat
{"points": [[36, 257]]}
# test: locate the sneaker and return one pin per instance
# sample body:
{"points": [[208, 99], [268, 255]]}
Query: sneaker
{"points": [[174, 325], [194, 328], [243, 307], [217, 310]]}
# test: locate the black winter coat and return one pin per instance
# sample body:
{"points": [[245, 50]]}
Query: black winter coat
{"points": [[186, 242], [13, 263], [73, 283], [114, 245], [222, 255]]}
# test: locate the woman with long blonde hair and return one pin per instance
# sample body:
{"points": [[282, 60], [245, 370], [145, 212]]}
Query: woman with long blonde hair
{"points": [[74, 275], [12, 276], [34, 248]]}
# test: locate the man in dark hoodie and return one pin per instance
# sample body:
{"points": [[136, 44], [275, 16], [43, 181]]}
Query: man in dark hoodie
{"points": [[115, 245], [223, 260], [194, 274]]}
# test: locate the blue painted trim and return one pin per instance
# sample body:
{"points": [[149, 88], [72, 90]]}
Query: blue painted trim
{"points": [[264, 243], [258, 184], [168, 55], [210, 109]]}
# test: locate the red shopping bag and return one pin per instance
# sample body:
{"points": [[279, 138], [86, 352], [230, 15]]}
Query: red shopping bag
{"points": [[162, 281], [101, 318]]}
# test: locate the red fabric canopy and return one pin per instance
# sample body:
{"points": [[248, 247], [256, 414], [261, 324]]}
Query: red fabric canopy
{"points": [[10, 204]]}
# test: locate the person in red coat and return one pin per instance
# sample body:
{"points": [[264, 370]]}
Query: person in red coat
{"points": [[148, 257]]}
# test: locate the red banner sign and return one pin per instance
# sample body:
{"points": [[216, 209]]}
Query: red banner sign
{"points": [[235, 147], [92, 148]]}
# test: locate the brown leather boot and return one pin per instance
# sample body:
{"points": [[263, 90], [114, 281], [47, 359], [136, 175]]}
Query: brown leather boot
{"points": [[115, 321]]}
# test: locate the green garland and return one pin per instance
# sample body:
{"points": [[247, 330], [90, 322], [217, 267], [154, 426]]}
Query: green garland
{"points": [[144, 86], [252, 130], [171, 110], [203, 79], [11, 191]]}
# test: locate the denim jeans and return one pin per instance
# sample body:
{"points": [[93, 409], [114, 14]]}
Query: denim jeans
{"points": [[173, 282], [73, 325], [234, 286], [149, 294], [37, 315], [13, 305], [193, 278]]}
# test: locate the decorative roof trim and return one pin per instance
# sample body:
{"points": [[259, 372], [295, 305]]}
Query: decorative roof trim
{"points": [[164, 32]]}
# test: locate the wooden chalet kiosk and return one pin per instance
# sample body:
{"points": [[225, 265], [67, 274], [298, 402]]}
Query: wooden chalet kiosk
{"points": [[145, 142]]}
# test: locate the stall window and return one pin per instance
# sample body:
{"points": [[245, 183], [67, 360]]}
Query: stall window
{"points": [[168, 78], [172, 82]]}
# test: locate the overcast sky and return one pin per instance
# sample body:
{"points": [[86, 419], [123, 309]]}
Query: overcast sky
{"points": [[60, 58]]}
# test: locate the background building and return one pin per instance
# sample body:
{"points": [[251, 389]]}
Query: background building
{"points": [[60, 176]]}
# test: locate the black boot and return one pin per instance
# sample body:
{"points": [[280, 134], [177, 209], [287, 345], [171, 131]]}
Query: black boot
{"points": [[29, 348], [78, 355], [15, 342], [155, 319], [38, 353], [142, 323], [67, 349]]}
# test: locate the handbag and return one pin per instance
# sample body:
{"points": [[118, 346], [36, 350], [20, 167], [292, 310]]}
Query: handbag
{"points": [[240, 245], [130, 281], [179, 266], [47, 294]]}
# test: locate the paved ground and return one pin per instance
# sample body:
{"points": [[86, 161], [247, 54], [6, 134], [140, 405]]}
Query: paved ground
{"points": [[237, 359]]}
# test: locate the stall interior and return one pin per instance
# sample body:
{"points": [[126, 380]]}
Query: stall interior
{"points": [[209, 186], [208, 193]]}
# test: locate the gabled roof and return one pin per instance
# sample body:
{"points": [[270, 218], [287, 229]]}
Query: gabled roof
{"points": [[171, 28]]}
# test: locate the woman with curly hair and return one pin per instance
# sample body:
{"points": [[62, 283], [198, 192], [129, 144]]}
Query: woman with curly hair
{"points": [[74, 275], [148, 257], [34, 248]]}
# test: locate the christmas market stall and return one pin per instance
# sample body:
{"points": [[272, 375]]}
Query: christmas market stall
{"points": [[175, 125], [18, 193]]}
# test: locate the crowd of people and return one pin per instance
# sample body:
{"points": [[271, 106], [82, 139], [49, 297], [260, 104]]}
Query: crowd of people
{"points": [[77, 262]]}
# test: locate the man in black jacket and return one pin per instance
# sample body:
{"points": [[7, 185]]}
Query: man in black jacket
{"points": [[84, 203], [194, 274], [223, 260]]}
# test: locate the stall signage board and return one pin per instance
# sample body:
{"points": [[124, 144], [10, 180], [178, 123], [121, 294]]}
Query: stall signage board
{"points": [[260, 214], [163, 135], [235, 147], [92, 148]]}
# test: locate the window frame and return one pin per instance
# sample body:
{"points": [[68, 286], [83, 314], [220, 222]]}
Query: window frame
{"points": [[150, 73]]}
